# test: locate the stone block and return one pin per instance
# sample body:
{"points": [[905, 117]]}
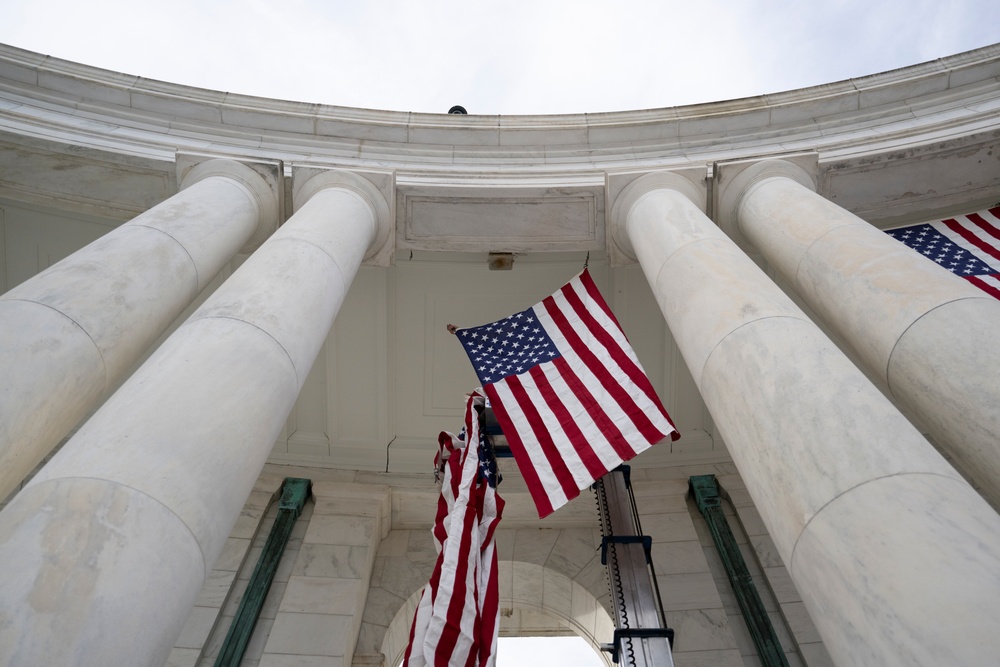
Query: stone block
{"points": [[183, 657], [275, 660], [767, 553], [750, 520], [689, 591], [331, 560], [815, 655], [800, 623], [320, 595], [556, 593], [679, 557], [216, 588], [345, 530], [781, 585], [310, 635], [527, 584], [233, 553], [394, 543], [533, 545], [701, 630], [197, 627], [716, 658], [671, 527], [572, 551], [247, 524], [381, 607], [403, 578]]}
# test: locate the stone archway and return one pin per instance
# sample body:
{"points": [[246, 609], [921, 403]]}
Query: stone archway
{"points": [[524, 587]]}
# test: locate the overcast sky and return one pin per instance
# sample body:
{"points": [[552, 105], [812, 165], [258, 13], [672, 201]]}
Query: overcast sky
{"points": [[511, 57]]}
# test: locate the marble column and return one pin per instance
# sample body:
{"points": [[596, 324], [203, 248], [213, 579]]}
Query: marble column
{"points": [[896, 556], [925, 333], [68, 335], [112, 540]]}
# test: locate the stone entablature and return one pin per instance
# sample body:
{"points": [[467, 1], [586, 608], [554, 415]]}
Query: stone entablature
{"points": [[891, 146], [945, 97]]}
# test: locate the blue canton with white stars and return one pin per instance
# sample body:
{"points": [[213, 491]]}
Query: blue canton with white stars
{"points": [[489, 472], [933, 244], [510, 346]]}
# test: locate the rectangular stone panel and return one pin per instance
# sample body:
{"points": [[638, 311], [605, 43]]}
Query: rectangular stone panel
{"points": [[488, 219]]}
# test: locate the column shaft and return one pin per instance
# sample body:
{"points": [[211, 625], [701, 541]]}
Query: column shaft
{"points": [[879, 533], [71, 333], [112, 540], [925, 332]]}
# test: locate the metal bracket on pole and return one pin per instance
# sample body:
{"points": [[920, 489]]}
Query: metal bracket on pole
{"points": [[637, 633], [644, 540]]}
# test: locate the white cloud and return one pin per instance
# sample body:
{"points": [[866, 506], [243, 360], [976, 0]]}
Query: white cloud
{"points": [[513, 57]]}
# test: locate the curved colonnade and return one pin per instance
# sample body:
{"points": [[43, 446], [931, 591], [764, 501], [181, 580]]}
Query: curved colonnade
{"points": [[691, 194]]}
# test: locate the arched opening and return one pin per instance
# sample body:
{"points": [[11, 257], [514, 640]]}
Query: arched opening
{"points": [[534, 602]]}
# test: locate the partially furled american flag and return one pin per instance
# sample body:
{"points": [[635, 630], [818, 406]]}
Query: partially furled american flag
{"points": [[966, 245], [567, 391], [457, 619]]}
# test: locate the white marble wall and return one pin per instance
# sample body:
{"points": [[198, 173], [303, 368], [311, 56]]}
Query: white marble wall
{"points": [[346, 590], [320, 612]]}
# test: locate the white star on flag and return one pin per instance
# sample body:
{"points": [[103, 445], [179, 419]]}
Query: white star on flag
{"points": [[966, 245]]}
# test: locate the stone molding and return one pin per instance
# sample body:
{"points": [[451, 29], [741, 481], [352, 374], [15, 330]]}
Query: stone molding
{"points": [[912, 104], [261, 180], [626, 189], [734, 181], [942, 111], [187, 103], [375, 188]]}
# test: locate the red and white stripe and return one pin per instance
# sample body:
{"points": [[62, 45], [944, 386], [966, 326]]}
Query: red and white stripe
{"points": [[979, 233], [457, 620], [571, 420]]}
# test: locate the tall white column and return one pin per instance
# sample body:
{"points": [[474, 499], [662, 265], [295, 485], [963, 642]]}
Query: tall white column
{"points": [[896, 556], [926, 333], [112, 540], [69, 334]]}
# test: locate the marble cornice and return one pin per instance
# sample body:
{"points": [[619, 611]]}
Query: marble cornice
{"points": [[43, 96]]}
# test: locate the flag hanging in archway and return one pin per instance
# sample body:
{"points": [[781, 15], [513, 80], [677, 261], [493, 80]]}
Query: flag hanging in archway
{"points": [[457, 619]]}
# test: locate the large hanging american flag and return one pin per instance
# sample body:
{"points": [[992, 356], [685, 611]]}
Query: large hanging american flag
{"points": [[567, 391], [457, 619], [966, 245]]}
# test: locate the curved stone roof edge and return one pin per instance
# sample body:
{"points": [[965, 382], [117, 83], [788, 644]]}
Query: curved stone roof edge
{"points": [[129, 114]]}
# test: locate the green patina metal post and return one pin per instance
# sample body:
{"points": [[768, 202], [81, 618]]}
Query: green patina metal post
{"points": [[706, 493], [294, 493]]}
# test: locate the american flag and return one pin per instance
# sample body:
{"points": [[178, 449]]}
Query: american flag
{"points": [[966, 245], [567, 391], [457, 619]]}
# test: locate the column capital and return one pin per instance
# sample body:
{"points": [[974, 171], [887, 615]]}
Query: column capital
{"points": [[377, 188], [624, 189], [262, 180], [735, 179]]}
